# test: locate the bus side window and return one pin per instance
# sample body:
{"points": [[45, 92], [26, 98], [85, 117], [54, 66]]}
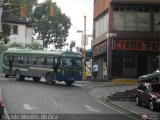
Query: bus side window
{"points": [[34, 60], [21, 60], [5, 58], [15, 59], [25, 59], [49, 61], [11, 59], [39, 61], [30, 60], [45, 61], [56, 62]]}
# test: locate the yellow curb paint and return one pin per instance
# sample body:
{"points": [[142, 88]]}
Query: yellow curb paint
{"points": [[125, 81]]}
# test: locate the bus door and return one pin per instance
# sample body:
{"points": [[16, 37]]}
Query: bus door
{"points": [[10, 64], [55, 67]]}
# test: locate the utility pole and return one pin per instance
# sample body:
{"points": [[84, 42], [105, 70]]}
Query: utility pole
{"points": [[84, 53]]}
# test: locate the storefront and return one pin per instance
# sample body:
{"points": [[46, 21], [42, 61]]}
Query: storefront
{"points": [[132, 58]]}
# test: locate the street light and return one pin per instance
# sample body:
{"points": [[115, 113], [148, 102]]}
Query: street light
{"points": [[83, 52], [80, 31]]}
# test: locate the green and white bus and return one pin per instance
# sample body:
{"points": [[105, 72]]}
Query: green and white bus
{"points": [[52, 65]]}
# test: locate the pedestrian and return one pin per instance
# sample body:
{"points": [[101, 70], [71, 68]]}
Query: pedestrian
{"points": [[95, 70]]}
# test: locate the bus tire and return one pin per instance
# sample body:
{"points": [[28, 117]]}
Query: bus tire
{"points": [[69, 83], [36, 79], [48, 78], [18, 76]]}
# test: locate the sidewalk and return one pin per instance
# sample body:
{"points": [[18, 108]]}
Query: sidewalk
{"points": [[101, 90]]}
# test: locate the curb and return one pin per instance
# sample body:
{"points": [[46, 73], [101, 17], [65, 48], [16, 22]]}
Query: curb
{"points": [[125, 81], [131, 111]]}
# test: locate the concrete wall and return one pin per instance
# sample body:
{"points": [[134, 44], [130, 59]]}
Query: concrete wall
{"points": [[100, 6], [24, 35], [28, 35], [131, 21]]}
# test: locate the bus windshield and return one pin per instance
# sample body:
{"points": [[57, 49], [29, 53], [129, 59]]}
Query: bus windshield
{"points": [[70, 62]]}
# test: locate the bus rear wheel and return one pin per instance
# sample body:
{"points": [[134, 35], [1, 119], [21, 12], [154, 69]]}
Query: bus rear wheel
{"points": [[69, 82], [49, 78], [36, 79], [18, 76]]}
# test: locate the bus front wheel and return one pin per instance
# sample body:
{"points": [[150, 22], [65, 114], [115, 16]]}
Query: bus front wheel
{"points": [[49, 78], [69, 82], [18, 76]]}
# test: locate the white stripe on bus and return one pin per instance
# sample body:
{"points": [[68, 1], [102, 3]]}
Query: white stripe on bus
{"points": [[38, 68]]}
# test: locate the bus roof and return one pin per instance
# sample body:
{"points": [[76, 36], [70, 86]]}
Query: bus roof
{"points": [[28, 52]]}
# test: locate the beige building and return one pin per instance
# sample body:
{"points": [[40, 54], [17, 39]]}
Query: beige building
{"points": [[126, 37]]}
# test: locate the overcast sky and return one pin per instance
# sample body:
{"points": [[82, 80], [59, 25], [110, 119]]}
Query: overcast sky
{"points": [[76, 10]]}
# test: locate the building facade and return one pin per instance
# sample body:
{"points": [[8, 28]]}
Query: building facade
{"points": [[126, 37], [21, 30]]}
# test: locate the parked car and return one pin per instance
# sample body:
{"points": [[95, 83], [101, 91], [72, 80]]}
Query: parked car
{"points": [[1, 109], [152, 77], [148, 94]]}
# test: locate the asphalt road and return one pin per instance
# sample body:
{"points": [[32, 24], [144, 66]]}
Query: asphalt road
{"points": [[31, 100]]}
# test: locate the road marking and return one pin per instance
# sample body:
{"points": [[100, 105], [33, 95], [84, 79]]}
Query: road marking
{"points": [[28, 107], [89, 108], [116, 110], [55, 102]]}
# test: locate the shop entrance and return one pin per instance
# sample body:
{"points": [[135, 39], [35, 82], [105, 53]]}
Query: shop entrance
{"points": [[117, 65], [142, 65]]}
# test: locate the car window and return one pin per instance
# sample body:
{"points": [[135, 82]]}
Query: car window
{"points": [[142, 87], [149, 88]]}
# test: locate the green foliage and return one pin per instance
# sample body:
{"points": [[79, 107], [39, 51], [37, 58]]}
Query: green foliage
{"points": [[72, 44], [16, 45], [5, 33], [36, 46], [3, 48], [53, 30], [14, 7]]}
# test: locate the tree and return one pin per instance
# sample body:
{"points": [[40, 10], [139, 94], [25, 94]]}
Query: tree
{"points": [[51, 29], [16, 45], [3, 48], [5, 33], [13, 7], [36, 46], [72, 44]]}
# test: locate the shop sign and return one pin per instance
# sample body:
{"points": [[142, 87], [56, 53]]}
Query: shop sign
{"points": [[101, 48], [137, 45]]}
